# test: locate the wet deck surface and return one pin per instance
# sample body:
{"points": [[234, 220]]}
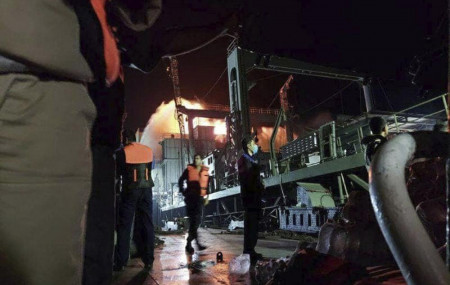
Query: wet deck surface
{"points": [[171, 261]]}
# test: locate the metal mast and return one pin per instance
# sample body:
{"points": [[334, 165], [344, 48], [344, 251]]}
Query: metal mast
{"points": [[287, 109], [177, 99]]}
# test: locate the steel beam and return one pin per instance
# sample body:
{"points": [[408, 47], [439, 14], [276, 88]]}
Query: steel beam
{"points": [[355, 178], [293, 66], [328, 167]]}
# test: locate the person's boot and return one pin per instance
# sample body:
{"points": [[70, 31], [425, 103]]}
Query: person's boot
{"points": [[255, 257], [118, 268], [200, 246], [258, 256], [189, 248]]}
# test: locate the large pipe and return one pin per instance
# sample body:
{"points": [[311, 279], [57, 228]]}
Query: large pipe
{"points": [[410, 244]]}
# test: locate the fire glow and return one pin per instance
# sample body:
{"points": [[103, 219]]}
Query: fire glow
{"points": [[219, 125], [264, 134], [163, 123]]}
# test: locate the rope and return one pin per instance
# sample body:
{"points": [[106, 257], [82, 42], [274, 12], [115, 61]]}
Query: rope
{"points": [[215, 83], [332, 96]]}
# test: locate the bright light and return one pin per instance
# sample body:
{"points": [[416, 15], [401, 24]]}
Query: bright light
{"points": [[163, 123], [220, 128]]}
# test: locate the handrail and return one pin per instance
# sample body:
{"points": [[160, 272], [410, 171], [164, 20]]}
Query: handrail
{"points": [[402, 112], [252, 110], [422, 103]]}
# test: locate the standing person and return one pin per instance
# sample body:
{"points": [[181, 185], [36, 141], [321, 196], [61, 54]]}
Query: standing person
{"points": [[251, 192], [134, 167], [45, 161], [101, 17], [197, 178], [100, 219], [379, 130]]}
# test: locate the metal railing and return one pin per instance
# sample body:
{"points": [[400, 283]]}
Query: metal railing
{"points": [[263, 111], [411, 118], [171, 136], [252, 110]]}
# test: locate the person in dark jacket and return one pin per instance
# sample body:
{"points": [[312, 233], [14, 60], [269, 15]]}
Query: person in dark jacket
{"points": [[45, 64], [379, 130], [251, 192], [134, 168], [98, 19], [197, 177]]}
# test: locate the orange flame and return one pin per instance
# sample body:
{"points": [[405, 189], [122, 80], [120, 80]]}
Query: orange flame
{"points": [[163, 123], [219, 125], [264, 134]]}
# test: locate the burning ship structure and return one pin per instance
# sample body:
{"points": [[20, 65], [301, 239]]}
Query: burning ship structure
{"points": [[308, 178], [316, 182]]}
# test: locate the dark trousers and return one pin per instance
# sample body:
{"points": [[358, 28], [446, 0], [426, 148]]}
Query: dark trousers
{"points": [[99, 242], [194, 206], [251, 221], [139, 202]]}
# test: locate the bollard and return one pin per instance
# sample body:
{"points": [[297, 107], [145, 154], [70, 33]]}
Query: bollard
{"points": [[219, 257]]}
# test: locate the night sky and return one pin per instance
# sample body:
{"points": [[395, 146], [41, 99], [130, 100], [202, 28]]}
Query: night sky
{"points": [[380, 38]]}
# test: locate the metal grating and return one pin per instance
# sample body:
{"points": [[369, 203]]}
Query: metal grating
{"points": [[298, 146], [305, 220]]}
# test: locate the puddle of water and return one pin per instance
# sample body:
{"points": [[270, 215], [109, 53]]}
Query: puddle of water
{"points": [[201, 264]]}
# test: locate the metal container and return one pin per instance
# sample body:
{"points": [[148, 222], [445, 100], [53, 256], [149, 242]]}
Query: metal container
{"points": [[170, 148], [171, 172], [204, 133], [204, 147], [314, 195]]}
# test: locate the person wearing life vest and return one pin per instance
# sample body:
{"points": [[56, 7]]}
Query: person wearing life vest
{"points": [[134, 164], [196, 193]]}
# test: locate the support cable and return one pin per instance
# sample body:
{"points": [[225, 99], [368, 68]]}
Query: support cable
{"points": [[332, 96], [215, 83]]}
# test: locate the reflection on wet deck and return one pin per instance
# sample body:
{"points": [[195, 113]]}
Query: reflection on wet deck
{"points": [[171, 264]]}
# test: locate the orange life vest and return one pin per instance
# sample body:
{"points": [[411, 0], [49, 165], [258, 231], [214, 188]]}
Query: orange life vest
{"points": [[202, 177], [138, 159], [112, 58]]}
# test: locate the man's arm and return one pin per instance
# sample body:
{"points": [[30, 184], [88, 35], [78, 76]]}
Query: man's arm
{"points": [[119, 157], [243, 171], [152, 183], [181, 180]]}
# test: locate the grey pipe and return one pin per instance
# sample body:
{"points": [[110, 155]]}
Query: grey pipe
{"points": [[410, 244]]}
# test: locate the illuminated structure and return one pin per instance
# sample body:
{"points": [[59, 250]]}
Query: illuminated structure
{"points": [[331, 157]]}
